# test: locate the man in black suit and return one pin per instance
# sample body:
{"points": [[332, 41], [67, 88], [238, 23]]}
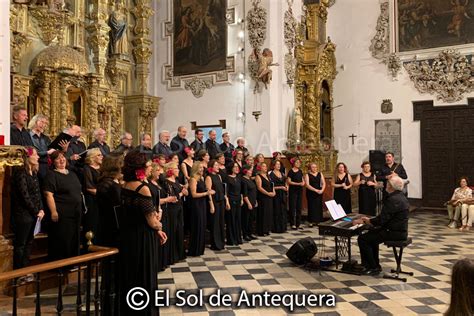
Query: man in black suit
{"points": [[18, 133], [162, 146], [99, 136], [198, 143], [391, 224], [241, 145], [179, 142], [76, 147], [211, 145], [125, 146], [391, 169], [145, 145], [227, 148]]}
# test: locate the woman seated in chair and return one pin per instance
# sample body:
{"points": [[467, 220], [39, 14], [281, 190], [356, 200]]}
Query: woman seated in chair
{"points": [[456, 204]]}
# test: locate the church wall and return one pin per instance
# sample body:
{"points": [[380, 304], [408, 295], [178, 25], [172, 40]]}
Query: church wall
{"points": [[5, 71], [362, 86]]}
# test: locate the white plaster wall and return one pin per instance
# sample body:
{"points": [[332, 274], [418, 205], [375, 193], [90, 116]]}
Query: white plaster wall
{"points": [[5, 70], [363, 85]]}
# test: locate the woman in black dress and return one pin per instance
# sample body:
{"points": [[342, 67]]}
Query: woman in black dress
{"points": [[239, 157], [203, 157], [266, 193], [89, 186], [222, 167], [175, 214], [315, 186], [186, 167], [26, 207], [249, 193], [295, 183], [259, 159], [342, 184], [62, 191], [139, 227], [217, 205], [366, 183], [279, 201], [277, 157], [199, 196], [233, 218]]}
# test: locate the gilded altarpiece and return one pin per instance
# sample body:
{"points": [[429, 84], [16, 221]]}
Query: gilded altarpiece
{"points": [[311, 128], [85, 63]]}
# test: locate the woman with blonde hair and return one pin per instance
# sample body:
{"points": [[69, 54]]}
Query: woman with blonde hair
{"points": [[92, 165], [315, 186], [199, 196]]}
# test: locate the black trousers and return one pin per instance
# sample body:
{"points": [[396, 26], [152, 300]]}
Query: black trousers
{"points": [[23, 228], [369, 245], [248, 218], [295, 201]]}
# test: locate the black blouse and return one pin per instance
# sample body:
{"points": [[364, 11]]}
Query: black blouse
{"points": [[234, 188], [296, 177], [217, 186], [26, 194], [91, 178], [249, 190]]}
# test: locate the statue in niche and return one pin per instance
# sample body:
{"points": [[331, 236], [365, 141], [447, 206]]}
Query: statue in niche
{"points": [[118, 44]]}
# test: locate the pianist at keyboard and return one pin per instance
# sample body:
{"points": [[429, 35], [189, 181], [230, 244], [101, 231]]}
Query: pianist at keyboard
{"points": [[391, 224]]}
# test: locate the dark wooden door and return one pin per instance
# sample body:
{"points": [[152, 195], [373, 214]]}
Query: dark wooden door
{"points": [[447, 149]]}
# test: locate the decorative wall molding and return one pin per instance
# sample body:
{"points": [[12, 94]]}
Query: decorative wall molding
{"points": [[290, 29], [194, 82], [380, 44], [449, 76]]}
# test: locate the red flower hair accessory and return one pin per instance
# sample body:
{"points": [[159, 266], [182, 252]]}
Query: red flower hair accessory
{"points": [[234, 153], [259, 168], [187, 150], [275, 154], [210, 170], [244, 171], [29, 151], [169, 173], [292, 161], [50, 162], [140, 174], [156, 160]]}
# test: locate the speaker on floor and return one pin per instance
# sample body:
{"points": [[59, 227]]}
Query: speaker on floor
{"points": [[377, 160], [302, 251]]}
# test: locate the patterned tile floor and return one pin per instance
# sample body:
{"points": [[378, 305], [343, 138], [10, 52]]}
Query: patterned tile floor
{"points": [[262, 266]]}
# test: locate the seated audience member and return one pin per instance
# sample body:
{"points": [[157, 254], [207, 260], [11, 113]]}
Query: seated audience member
{"points": [[26, 206], [391, 224], [198, 143], [125, 144], [212, 146], [163, 147], [227, 148], [40, 141], [62, 191], [455, 205], [462, 289], [18, 133], [99, 142], [179, 143]]}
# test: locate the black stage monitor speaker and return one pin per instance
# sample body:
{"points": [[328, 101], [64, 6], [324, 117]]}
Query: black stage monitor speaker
{"points": [[302, 251], [377, 160]]}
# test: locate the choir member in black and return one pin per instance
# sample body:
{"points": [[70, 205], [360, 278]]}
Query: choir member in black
{"points": [[26, 206], [62, 191], [366, 183], [174, 158], [391, 169], [250, 162], [175, 213], [266, 193], [212, 146], [139, 225], [227, 148], [18, 133], [233, 217], [89, 187], [108, 203], [259, 158], [99, 142], [179, 143], [162, 146], [199, 196], [204, 158], [249, 193], [295, 183], [198, 143], [278, 178], [75, 148], [186, 167], [277, 157], [315, 186], [41, 142], [222, 166], [241, 145], [145, 146], [239, 158], [125, 146], [217, 205], [342, 184]]}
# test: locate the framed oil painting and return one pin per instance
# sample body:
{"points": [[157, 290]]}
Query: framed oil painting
{"points": [[427, 24], [199, 37]]}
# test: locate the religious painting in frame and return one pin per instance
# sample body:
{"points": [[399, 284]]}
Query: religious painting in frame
{"points": [[388, 137], [199, 41], [430, 24]]}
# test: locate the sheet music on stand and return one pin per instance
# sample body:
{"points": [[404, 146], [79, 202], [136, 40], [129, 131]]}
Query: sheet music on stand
{"points": [[335, 210]]}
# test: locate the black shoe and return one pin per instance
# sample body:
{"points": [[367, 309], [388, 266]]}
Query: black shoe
{"points": [[371, 272], [253, 237], [248, 238], [310, 225]]}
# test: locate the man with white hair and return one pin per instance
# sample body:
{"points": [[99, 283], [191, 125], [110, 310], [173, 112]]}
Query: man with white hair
{"points": [[125, 144], [163, 147], [390, 224], [99, 136], [179, 143], [41, 142], [76, 147], [241, 145]]}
